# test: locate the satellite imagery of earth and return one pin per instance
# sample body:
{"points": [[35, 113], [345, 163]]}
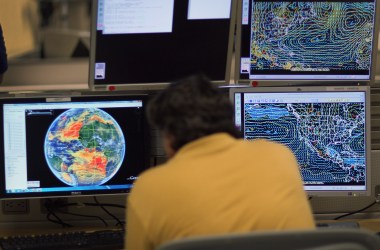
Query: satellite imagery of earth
{"points": [[84, 146]]}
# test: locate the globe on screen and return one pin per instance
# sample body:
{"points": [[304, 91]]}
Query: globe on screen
{"points": [[84, 146]]}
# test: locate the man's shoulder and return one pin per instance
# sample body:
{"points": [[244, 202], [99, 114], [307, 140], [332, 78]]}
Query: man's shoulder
{"points": [[265, 143], [153, 175], [152, 172], [155, 183]]}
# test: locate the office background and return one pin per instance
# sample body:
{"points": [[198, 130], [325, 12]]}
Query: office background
{"points": [[48, 45]]}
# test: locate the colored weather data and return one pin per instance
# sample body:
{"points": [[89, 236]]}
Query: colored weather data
{"points": [[328, 139], [311, 36], [84, 146]]}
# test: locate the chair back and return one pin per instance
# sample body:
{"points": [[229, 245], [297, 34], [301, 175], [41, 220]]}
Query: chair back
{"points": [[318, 239]]}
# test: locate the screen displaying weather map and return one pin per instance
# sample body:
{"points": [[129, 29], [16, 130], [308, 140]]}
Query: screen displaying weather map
{"points": [[306, 40], [79, 145], [84, 146], [326, 131]]}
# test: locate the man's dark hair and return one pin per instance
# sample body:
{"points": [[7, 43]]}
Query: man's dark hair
{"points": [[191, 108], [3, 53]]}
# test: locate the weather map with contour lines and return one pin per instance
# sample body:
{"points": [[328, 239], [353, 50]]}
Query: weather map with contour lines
{"points": [[323, 136], [84, 146], [311, 36]]}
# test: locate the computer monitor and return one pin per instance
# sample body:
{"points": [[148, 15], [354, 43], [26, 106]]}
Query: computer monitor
{"points": [[327, 129], [70, 145], [147, 44], [297, 42]]}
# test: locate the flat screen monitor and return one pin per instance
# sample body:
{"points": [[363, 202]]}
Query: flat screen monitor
{"points": [[72, 145], [294, 42], [145, 44], [327, 129]]}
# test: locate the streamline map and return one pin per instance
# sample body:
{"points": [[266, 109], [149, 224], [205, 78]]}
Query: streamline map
{"points": [[328, 139], [311, 36]]}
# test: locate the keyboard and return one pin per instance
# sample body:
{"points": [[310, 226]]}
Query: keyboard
{"points": [[104, 239]]}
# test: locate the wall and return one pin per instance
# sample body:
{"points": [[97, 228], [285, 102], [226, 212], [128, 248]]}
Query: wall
{"points": [[46, 75], [19, 20], [378, 60]]}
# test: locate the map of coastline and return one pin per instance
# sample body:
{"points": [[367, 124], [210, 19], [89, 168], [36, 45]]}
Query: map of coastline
{"points": [[322, 136]]}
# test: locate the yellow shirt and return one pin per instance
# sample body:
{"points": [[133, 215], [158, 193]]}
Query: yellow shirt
{"points": [[217, 185]]}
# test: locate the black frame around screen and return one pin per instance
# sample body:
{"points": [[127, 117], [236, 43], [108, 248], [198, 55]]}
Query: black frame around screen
{"points": [[243, 50], [194, 46], [132, 122], [310, 90]]}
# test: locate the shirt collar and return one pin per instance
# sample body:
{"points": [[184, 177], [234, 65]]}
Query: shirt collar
{"points": [[206, 145]]}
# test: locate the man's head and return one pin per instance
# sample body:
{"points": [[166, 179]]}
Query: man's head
{"points": [[190, 109]]}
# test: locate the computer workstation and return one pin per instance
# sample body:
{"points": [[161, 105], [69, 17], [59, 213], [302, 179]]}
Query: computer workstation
{"points": [[310, 44], [87, 145], [130, 48], [61, 149], [143, 73], [306, 42], [316, 44]]}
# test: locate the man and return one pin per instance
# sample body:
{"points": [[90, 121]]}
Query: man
{"points": [[213, 182], [3, 56]]}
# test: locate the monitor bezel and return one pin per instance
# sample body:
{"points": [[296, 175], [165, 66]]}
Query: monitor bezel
{"points": [[311, 89], [303, 82], [154, 85], [74, 97]]}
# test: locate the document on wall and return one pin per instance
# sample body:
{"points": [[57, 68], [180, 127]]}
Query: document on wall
{"points": [[137, 16], [209, 9]]}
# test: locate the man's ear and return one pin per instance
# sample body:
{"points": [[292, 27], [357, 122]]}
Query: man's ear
{"points": [[167, 143]]}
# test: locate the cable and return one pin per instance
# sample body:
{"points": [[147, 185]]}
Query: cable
{"points": [[357, 211], [58, 206], [51, 212], [92, 204], [83, 215], [105, 205], [53, 207], [57, 221], [119, 223]]}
